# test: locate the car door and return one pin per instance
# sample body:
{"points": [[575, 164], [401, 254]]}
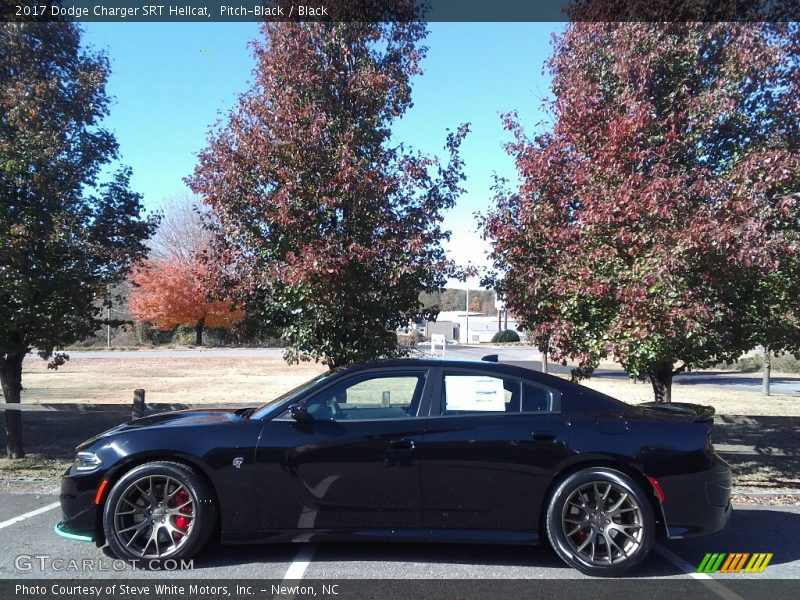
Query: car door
{"points": [[489, 450], [353, 464]]}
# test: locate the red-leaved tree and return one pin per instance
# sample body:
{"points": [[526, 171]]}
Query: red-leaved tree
{"points": [[328, 229], [170, 292], [174, 286], [657, 221]]}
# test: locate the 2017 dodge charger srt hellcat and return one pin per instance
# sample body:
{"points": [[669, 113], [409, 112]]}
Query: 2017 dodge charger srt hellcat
{"points": [[411, 450]]}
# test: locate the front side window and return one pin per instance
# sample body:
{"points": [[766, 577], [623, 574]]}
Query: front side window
{"points": [[370, 397]]}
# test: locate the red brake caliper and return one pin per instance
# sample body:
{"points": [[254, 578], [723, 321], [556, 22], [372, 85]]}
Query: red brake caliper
{"points": [[182, 522]]}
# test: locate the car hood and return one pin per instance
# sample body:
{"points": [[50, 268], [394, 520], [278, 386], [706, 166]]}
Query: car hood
{"points": [[177, 418]]}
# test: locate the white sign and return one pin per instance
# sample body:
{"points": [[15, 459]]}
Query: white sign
{"points": [[498, 303], [437, 339], [475, 393]]}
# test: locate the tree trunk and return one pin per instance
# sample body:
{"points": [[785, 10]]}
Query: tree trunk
{"points": [[545, 366], [661, 380], [11, 380], [199, 330], [765, 376]]}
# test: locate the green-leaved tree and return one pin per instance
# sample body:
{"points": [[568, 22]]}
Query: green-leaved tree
{"points": [[65, 235], [657, 222], [328, 228]]}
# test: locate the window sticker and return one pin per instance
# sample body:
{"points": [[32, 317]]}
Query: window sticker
{"points": [[477, 393]]}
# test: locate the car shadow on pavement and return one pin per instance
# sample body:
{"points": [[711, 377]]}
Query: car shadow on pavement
{"points": [[748, 530], [399, 560]]}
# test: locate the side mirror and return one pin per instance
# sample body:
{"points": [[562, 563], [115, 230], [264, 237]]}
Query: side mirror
{"points": [[299, 413]]}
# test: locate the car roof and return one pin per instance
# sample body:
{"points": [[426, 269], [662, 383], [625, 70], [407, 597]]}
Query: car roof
{"points": [[426, 362], [449, 363], [591, 399]]}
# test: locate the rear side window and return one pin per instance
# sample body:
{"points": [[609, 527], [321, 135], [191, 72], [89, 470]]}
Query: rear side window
{"points": [[464, 394], [476, 394]]}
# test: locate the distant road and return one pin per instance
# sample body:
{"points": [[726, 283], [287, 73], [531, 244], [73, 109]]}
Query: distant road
{"points": [[456, 352], [177, 353]]}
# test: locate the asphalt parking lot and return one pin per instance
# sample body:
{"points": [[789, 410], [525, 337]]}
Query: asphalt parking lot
{"points": [[30, 549]]}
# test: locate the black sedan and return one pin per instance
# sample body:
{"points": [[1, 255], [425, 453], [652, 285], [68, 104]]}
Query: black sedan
{"points": [[407, 450]]}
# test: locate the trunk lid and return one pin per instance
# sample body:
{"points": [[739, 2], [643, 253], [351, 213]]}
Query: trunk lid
{"points": [[696, 412]]}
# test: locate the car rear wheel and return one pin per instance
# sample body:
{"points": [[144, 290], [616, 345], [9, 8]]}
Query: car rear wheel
{"points": [[600, 522], [158, 511]]}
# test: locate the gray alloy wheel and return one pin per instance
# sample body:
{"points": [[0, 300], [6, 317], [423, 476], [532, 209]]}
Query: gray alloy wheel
{"points": [[154, 516], [159, 510], [600, 521]]}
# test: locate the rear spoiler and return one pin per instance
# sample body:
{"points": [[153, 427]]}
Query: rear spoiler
{"points": [[698, 412]]}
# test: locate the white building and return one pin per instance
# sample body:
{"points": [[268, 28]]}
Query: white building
{"points": [[481, 327]]}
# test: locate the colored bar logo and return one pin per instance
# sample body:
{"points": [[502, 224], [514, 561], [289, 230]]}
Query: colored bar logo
{"points": [[736, 562]]}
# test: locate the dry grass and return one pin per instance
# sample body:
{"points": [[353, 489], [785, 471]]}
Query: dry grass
{"points": [[255, 380], [32, 474], [187, 380], [726, 400]]}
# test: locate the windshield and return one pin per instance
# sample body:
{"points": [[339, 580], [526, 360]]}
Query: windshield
{"points": [[267, 409]]}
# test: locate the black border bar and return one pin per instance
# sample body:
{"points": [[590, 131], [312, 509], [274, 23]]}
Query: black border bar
{"points": [[392, 589], [218, 11]]}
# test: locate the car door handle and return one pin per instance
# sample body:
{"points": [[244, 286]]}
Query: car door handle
{"points": [[544, 436], [403, 444]]}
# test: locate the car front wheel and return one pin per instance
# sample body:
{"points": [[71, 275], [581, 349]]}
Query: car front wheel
{"points": [[600, 522], [158, 510]]}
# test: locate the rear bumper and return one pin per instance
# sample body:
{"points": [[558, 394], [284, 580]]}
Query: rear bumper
{"points": [[698, 503]]}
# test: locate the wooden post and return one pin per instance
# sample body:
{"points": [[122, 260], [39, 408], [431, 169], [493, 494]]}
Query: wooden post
{"points": [[386, 398], [766, 373], [138, 404]]}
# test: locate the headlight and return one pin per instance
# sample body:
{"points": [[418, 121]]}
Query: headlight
{"points": [[86, 462]]}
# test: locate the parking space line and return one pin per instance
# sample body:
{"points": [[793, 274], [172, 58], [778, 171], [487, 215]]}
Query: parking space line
{"points": [[712, 584], [300, 563], [28, 515]]}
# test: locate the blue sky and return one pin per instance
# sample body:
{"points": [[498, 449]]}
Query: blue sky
{"points": [[172, 81]]}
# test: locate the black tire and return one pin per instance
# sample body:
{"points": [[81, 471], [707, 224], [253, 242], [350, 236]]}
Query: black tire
{"points": [[133, 515], [588, 535]]}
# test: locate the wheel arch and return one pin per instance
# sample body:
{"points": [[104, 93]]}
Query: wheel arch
{"points": [[609, 463], [119, 470]]}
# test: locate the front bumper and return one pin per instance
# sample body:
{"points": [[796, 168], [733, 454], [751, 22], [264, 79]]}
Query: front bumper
{"points": [[64, 531], [80, 514], [697, 503]]}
